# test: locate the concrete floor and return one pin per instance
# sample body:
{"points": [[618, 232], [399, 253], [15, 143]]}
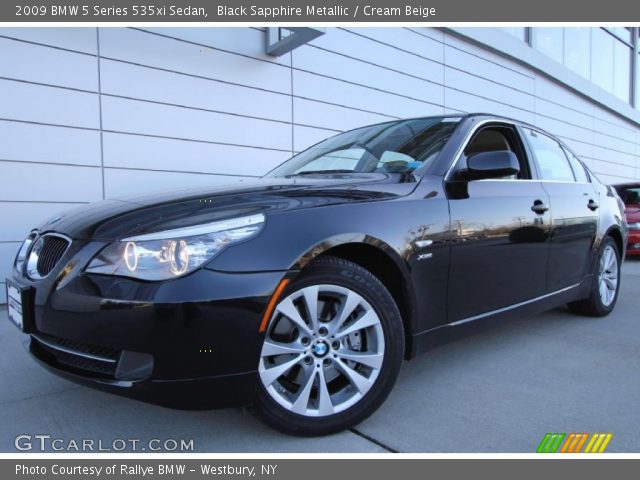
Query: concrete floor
{"points": [[498, 391]]}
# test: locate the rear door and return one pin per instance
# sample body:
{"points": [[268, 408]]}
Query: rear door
{"points": [[574, 206]]}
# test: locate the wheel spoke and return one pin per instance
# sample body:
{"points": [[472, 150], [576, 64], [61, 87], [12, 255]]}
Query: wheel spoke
{"points": [[325, 405], [311, 301], [350, 303], [611, 261], [609, 283], [373, 360], [367, 320], [289, 310], [359, 381], [603, 293], [301, 403], [605, 260], [271, 348], [270, 375]]}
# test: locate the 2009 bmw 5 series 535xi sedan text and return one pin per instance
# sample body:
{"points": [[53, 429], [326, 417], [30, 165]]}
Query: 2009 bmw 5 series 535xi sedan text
{"points": [[303, 292]]}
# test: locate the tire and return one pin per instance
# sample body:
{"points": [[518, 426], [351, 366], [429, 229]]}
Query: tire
{"points": [[320, 387], [605, 284]]}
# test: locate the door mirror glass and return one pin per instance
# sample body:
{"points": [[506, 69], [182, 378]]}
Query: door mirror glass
{"points": [[496, 164]]}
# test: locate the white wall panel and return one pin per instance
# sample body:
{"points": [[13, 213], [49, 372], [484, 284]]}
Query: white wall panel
{"points": [[463, 61], [35, 63], [349, 95], [565, 130], [332, 117], [126, 115], [558, 111], [613, 143], [49, 183], [147, 49], [336, 66], [550, 91], [478, 86], [488, 55], [43, 143], [436, 34], [73, 38], [470, 103], [133, 81], [134, 151], [360, 48], [8, 251], [614, 156], [35, 103], [244, 41], [405, 39]]}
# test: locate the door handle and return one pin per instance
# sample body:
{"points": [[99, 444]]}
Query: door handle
{"points": [[592, 204], [539, 207]]}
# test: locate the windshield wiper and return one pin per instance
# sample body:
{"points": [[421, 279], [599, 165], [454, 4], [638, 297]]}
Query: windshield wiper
{"points": [[319, 172]]}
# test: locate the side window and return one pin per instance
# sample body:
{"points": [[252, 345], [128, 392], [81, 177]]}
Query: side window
{"points": [[552, 161], [578, 168], [498, 138]]}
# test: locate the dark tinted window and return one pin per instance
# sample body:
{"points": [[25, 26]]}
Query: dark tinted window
{"points": [[630, 195], [551, 159]]}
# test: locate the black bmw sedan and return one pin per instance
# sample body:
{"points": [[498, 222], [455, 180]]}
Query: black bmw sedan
{"points": [[302, 293]]}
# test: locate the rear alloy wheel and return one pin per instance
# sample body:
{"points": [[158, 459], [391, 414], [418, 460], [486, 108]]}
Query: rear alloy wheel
{"points": [[332, 350], [606, 283]]}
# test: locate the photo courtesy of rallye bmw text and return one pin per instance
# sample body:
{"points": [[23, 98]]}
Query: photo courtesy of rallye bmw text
{"points": [[360, 228]]}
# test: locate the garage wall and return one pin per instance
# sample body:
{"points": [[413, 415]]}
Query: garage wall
{"points": [[90, 113]]}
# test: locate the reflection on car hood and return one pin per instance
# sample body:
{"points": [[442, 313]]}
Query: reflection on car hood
{"points": [[140, 214]]}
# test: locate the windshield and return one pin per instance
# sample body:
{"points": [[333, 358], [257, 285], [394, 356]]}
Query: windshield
{"points": [[393, 147]]}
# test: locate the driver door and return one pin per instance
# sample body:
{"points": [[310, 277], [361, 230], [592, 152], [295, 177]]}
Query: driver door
{"points": [[500, 229]]}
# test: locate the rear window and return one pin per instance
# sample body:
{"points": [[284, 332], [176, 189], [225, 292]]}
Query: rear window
{"points": [[578, 168], [550, 156], [629, 195]]}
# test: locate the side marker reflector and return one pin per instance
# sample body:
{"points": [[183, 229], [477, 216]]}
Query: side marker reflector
{"points": [[272, 304]]}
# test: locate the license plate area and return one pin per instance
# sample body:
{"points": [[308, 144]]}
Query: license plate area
{"points": [[20, 306]]}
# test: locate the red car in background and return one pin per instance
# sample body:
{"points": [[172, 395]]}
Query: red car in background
{"points": [[630, 195]]}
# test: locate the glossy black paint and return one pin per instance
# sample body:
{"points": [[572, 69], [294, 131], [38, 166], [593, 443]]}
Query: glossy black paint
{"points": [[450, 250]]}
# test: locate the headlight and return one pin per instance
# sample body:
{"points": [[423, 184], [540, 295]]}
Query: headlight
{"points": [[172, 253], [634, 226], [22, 253]]}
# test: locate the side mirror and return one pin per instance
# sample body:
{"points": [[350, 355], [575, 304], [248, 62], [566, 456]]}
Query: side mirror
{"points": [[494, 164]]}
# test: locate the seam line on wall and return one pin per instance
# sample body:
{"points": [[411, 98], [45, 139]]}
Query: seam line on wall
{"points": [[100, 114]]}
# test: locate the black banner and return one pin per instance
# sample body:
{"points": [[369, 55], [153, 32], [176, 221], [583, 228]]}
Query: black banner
{"points": [[317, 469], [317, 11]]}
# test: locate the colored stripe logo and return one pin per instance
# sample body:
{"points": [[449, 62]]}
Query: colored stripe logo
{"points": [[574, 443]]}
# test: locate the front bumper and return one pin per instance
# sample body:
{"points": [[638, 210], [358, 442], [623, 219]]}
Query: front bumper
{"points": [[191, 342]]}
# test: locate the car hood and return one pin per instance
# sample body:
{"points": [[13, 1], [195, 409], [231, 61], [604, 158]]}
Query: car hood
{"points": [[136, 215]]}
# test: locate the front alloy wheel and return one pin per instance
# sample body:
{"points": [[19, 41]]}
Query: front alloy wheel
{"points": [[331, 351]]}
